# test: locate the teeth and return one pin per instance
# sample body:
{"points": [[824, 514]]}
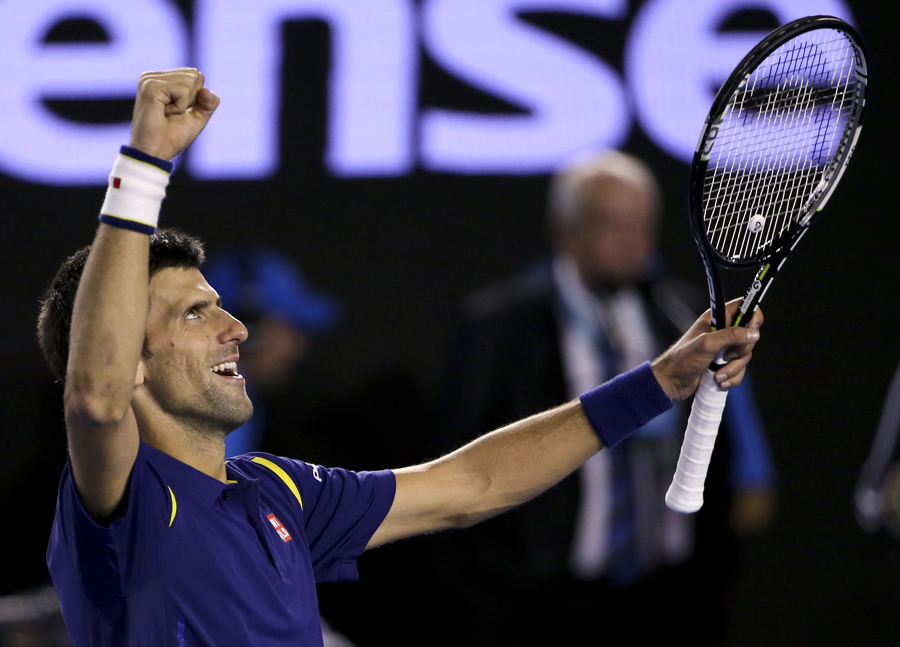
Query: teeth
{"points": [[225, 368]]}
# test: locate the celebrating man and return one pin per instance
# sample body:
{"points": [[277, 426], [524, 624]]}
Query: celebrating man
{"points": [[159, 540]]}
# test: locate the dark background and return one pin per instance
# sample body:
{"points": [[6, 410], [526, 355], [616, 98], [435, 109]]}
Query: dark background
{"points": [[402, 252]]}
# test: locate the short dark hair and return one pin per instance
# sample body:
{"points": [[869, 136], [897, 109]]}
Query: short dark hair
{"points": [[168, 248]]}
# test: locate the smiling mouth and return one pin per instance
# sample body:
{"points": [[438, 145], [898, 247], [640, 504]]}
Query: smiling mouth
{"points": [[227, 369]]}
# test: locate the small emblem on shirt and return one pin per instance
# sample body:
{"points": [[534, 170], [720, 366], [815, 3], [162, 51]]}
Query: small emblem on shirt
{"points": [[117, 182], [281, 530]]}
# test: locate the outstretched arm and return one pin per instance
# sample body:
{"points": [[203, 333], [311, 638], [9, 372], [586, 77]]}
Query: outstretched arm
{"points": [[514, 464], [110, 309]]}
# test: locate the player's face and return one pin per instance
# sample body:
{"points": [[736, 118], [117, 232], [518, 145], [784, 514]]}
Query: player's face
{"points": [[614, 238], [192, 371]]}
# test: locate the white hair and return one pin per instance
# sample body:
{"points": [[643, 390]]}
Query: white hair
{"points": [[566, 195]]}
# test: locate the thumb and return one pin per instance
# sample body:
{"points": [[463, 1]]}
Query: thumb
{"points": [[205, 103], [735, 336]]}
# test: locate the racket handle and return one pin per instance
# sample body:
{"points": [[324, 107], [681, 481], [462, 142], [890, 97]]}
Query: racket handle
{"points": [[686, 491]]}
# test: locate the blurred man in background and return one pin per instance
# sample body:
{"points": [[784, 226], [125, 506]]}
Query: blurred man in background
{"points": [[877, 495], [603, 542]]}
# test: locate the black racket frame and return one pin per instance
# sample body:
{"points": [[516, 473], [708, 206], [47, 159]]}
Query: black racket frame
{"points": [[776, 253]]}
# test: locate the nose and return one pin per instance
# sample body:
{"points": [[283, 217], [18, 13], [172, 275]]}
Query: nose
{"points": [[233, 330]]}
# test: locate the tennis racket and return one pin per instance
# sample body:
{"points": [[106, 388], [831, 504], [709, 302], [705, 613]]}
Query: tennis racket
{"points": [[775, 144]]}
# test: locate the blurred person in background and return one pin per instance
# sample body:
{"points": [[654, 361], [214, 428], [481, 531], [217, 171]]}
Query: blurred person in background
{"points": [[604, 538], [877, 495]]}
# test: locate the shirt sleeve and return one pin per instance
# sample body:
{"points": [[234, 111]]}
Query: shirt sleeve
{"points": [[342, 510], [117, 559]]}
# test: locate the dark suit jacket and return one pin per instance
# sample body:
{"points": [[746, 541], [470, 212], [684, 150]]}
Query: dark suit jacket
{"points": [[505, 364]]}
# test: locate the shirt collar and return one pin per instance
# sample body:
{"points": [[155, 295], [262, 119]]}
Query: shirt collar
{"points": [[188, 481]]}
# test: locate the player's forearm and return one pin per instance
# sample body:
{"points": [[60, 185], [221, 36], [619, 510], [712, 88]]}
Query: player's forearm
{"points": [[500, 470], [514, 464], [108, 323], [518, 462], [522, 460]]}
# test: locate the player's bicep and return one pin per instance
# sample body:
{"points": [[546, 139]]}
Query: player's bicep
{"points": [[428, 498], [102, 457]]}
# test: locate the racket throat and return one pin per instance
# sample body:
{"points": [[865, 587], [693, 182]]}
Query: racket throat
{"points": [[754, 295]]}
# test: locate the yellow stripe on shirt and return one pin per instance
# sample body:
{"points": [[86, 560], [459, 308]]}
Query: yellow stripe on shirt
{"points": [[281, 474], [174, 506]]}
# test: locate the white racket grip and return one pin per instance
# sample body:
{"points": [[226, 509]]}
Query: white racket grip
{"points": [[686, 491]]}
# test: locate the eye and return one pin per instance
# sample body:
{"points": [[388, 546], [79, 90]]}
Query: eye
{"points": [[192, 314]]}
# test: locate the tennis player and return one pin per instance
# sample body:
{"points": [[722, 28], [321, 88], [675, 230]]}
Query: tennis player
{"points": [[158, 539]]}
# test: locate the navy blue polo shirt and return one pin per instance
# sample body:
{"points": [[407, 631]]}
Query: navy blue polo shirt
{"points": [[198, 562]]}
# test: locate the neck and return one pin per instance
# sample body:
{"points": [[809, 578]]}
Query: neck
{"points": [[205, 455], [204, 450]]}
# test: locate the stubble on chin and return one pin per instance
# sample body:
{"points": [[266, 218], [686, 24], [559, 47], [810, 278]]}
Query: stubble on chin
{"points": [[217, 413]]}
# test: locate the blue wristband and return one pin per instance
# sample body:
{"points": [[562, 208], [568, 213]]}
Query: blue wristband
{"points": [[625, 403], [141, 156]]}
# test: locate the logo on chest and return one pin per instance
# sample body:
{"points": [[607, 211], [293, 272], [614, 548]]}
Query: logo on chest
{"points": [[279, 528]]}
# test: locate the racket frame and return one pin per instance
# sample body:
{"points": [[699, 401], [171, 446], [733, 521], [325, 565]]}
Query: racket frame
{"points": [[770, 263], [686, 492]]}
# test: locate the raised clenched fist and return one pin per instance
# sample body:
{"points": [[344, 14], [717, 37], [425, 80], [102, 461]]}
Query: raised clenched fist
{"points": [[170, 110]]}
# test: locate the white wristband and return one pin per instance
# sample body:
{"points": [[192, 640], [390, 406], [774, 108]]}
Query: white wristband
{"points": [[135, 193]]}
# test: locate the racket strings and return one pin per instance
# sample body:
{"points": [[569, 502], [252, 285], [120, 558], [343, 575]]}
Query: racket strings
{"points": [[800, 97], [778, 142], [777, 103], [766, 184]]}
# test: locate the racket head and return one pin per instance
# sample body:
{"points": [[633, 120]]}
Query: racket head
{"points": [[775, 143]]}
